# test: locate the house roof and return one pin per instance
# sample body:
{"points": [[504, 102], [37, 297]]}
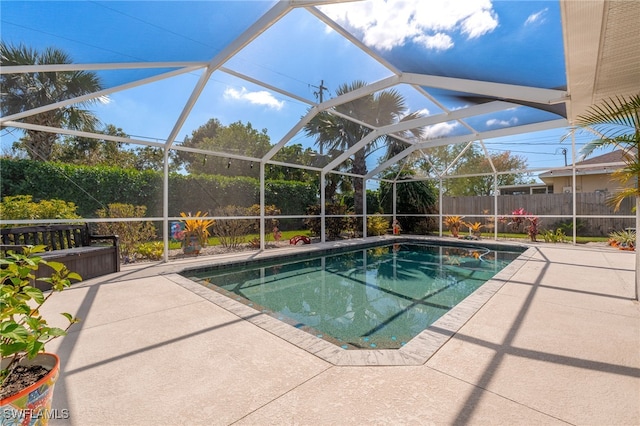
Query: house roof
{"points": [[616, 156], [602, 164]]}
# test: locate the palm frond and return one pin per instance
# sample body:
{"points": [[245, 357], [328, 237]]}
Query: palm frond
{"points": [[619, 196], [616, 122], [619, 114]]}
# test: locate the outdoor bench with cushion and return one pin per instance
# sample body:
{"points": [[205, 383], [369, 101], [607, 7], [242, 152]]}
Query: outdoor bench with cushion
{"points": [[73, 245]]}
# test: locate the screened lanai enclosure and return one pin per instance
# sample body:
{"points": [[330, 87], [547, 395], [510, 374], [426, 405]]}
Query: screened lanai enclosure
{"points": [[320, 117]]}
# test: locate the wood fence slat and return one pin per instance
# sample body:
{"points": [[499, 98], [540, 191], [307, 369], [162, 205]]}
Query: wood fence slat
{"points": [[589, 203]]}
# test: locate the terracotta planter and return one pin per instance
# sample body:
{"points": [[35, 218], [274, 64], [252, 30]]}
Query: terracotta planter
{"points": [[32, 405]]}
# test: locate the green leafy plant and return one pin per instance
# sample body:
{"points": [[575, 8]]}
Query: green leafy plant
{"points": [[152, 250], [377, 225], [549, 236], [24, 331], [23, 207]]}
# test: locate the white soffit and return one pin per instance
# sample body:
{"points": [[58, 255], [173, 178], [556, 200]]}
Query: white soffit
{"points": [[602, 52]]}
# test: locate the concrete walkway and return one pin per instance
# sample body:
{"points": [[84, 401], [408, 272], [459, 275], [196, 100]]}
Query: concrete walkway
{"points": [[558, 343]]}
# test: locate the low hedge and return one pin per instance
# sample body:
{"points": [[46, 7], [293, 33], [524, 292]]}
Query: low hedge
{"points": [[94, 187]]}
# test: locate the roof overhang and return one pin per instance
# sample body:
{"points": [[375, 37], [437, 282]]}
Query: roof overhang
{"points": [[602, 56]]}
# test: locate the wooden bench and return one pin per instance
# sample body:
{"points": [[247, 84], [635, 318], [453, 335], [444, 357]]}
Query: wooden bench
{"points": [[88, 255]]}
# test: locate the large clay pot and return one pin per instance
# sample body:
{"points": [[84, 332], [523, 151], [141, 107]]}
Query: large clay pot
{"points": [[32, 405]]}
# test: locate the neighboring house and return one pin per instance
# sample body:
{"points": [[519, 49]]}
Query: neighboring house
{"points": [[592, 175], [525, 189]]}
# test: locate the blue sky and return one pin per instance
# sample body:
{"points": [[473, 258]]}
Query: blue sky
{"points": [[517, 42]]}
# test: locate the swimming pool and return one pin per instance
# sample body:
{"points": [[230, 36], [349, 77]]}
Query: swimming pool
{"points": [[367, 298]]}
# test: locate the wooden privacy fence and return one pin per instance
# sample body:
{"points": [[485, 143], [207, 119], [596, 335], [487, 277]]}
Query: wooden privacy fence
{"points": [[557, 205]]}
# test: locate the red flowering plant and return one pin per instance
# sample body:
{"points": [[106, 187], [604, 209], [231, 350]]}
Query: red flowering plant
{"points": [[518, 217], [532, 227], [521, 216]]}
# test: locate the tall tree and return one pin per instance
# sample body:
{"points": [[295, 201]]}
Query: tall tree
{"points": [[412, 197], [236, 138], [26, 91], [336, 133], [94, 152], [293, 154], [208, 130], [616, 122], [472, 161]]}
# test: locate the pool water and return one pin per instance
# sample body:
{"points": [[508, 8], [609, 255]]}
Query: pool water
{"points": [[377, 297]]}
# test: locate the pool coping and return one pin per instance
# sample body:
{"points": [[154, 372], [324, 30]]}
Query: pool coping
{"points": [[415, 352]]}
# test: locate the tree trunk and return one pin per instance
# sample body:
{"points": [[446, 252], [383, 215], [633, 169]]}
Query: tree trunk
{"points": [[360, 168], [40, 144]]}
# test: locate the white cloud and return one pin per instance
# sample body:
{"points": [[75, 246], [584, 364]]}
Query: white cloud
{"points": [[261, 97], [439, 130], [537, 18], [387, 24], [438, 41], [480, 23], [502, 123]]}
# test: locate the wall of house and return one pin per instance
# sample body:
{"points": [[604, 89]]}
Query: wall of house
{"points": [[585, 183]]}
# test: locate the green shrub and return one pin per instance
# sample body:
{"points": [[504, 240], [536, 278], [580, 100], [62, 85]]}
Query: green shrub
{"points": [[23, 207], [131, 233], [290, 197], [232, 232], [152, 251], [93, 187], [554, 237], [334, 226], [270, 224], [377, 225], [90, 188]]}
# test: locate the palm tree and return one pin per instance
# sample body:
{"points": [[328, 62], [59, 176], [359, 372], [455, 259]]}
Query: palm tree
{"points": [[616, 122], [336, 133], [25, 91], [413, 196]]}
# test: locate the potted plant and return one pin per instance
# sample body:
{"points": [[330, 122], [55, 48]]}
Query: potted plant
{"points": [[475, 229], [624, 240], [453, 223], [28, 374], [196, 232]]}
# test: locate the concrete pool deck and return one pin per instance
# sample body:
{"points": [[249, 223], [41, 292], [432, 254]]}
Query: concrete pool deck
{"points": [[557, 343]]}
